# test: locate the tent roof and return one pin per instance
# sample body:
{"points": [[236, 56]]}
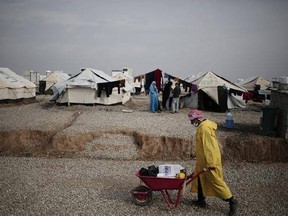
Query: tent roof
{"points": [[142, 75], [210, 79], [192, 77], [166, 75], [56, 77], [9, 79], [90, 78], [256, 80], [122, 76]]}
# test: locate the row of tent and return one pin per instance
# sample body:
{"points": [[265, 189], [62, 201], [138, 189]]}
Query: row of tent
{"points": [[92, 86]]}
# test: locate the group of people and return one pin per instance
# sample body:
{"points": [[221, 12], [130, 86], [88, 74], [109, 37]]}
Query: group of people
{"points": [[170, 97]]}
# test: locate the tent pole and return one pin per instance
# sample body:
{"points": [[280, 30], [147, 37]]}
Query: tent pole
{"points": [[68, 97], [14, 93]]}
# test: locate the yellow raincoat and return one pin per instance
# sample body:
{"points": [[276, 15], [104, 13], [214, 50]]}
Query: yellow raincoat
{"points": [[208, 154]]}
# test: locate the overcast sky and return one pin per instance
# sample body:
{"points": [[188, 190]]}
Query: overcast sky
{"points": [[233, 38]]}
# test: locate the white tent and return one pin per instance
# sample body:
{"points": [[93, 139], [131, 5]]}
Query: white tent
{"points": [[251, 82], [130, 84], [128, 81], [90, 86], [51, 79], [213, 89], [127, 88], [14, 86]]}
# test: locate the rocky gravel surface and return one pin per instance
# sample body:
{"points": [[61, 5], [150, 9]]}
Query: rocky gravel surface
{"points": [[99, 183], [82, 186], [46, 116]]}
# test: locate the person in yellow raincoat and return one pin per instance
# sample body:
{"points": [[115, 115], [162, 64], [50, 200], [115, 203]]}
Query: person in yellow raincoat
{"points": [[208, 155]]}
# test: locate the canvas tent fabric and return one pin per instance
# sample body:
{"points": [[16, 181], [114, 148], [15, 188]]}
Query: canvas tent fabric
{"points": [[251, 82], [90, 86], [51, 79], [14, 86], [215, 89], [192, 77], [126, 83]]}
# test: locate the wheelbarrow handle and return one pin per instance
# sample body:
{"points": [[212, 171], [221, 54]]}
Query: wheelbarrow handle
{"points": [[191, 177], [202, 171], [208, 168]]}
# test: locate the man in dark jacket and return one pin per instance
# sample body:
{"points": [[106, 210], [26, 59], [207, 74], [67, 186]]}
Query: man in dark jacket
{"points": [[166, 94]]}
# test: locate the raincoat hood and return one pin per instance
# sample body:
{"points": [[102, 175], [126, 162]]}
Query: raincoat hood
{"points": [[208, 123]]}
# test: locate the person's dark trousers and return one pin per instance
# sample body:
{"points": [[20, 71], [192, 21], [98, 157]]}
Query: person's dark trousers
{"points": [[201, 199], [202, 203]]}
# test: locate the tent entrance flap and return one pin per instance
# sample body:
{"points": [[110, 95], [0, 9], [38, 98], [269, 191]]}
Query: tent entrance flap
{"points": [[214, 98], [222, 98], [205, 102]]}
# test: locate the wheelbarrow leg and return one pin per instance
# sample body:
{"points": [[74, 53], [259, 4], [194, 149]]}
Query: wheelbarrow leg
{"points": [[179, 195], [168, 199]]}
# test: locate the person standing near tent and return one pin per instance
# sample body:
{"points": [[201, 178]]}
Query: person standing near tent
{"points": [[166, 94], [176, 95], [154, 103], [210, 183]]}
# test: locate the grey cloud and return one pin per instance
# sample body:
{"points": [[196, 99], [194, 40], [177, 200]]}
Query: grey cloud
{"points": [[232, 38]]}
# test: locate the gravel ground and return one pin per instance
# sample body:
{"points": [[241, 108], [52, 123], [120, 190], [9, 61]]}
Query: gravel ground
{"points": [[93, 185], [47, 116], [79, 186]]}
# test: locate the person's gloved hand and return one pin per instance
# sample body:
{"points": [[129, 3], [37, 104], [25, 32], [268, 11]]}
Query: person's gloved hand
{"points": [[209, 168]]}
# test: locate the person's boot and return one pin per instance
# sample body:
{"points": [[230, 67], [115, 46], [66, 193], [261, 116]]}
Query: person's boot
{"points": [[232, 206], [200, 203]]}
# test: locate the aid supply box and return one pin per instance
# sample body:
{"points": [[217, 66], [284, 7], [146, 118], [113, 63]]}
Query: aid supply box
{"points": [[169, 169]]}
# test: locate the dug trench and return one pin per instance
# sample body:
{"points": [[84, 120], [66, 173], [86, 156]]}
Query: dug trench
{"points": [[123, 144]]}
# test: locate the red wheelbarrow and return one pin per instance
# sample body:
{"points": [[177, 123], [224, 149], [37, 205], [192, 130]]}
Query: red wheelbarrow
{"points": [[142, 195]]}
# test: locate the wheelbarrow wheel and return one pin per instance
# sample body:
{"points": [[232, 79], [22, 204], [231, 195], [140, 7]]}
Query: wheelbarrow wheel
{"points": [[144, 197]]}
